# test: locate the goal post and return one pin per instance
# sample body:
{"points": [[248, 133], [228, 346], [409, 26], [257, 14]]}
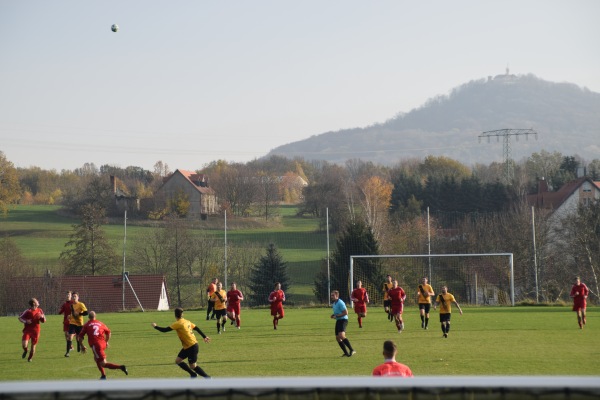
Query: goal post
{"points": [[482, 278]]}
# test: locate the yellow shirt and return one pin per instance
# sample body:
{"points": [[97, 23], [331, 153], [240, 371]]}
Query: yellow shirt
{"points": [[185, 331], [78, 308], [446, 306], [219, 305], [386, 287], [427, 289]]}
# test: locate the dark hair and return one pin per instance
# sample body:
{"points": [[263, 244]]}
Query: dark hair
{"points": [[178, 312], [389, 348]]}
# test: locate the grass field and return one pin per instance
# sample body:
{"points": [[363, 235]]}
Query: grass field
{"points": [[41, 233], [483, 341]]}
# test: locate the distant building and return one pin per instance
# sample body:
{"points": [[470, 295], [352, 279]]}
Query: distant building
{"points": [[123, 201], [202, 198]]}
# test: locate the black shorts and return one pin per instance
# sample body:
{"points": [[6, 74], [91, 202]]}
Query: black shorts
{"points": [[445, 317], [221, 313], [191, 353], [387, 303], [340, 326], [425, 306], [75, 329]]}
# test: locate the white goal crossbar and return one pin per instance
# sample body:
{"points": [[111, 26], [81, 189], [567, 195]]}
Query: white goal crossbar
{"points": [[509, 255]]}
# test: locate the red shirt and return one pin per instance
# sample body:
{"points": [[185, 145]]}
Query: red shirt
{"points": [[581, 291], [276, 297], [359, 295], [96, 332], [233, 296], [35, 317], [392, 368], [397, 295], [65, 309]]}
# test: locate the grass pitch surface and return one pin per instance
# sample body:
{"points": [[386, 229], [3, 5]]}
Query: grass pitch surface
{"points": [[483, 341]]}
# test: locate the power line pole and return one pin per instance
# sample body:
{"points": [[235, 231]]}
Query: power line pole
{"points": [[505, 134]]}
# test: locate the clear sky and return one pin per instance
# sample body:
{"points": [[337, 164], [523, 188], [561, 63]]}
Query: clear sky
{"points": [[188, 82]]}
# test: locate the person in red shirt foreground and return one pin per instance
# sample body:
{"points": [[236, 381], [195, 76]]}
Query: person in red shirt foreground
{"points": [[31, 318], [360, 298], [397, 296], [579, 292], [234, 296], [276, 298], [98, 337], [390, 367]]}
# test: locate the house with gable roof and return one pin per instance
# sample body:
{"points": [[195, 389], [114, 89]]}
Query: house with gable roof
{"points": [[565, 201], [202, 198]]}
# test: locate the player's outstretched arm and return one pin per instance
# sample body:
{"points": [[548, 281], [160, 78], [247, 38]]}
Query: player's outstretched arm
{"points": [[161, 329], [204, 337], [457, 306]]}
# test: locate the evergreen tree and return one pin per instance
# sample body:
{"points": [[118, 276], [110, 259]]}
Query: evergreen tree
{"points": [[91, 253], [357, 239], [269, 269]]}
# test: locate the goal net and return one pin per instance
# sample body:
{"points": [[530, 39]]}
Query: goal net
{"points": [[478, 279]]}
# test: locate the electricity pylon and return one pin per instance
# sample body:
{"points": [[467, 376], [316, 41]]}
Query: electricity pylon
{"points": [[506, 134]]}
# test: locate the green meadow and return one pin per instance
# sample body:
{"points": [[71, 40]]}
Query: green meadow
{"points": [[483, 341], [42, 231]]}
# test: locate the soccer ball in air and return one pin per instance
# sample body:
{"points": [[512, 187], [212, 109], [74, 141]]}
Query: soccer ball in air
{"points": [[114, 28]]}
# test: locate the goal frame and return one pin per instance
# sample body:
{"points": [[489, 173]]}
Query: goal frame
{"points": [[509, 255]]}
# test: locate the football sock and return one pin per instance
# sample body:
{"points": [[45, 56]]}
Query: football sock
{"points": [[343, 347], [78, 347], [237, 322], [447, 327], [422, 318], [186, 368], [347, 343], [360, 322], [218, 326], [200, 372], [426, 322], [69, 344], [112, 366]]}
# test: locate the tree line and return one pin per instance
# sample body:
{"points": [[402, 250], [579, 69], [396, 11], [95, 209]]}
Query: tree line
{"points": [[371, 208]]}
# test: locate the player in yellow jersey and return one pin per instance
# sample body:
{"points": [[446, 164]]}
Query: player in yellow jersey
{"points": [[387, 303], [219, 298], [185, 330], [78, 311], [445, 301], [424, 295]]}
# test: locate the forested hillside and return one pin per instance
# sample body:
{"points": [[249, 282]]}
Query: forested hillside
{"points": [[566, 117]]}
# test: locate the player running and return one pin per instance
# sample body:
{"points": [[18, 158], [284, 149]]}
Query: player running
{"points": [[219, 298], [65, 310], [31, 318], [98, 337], [387, 304], [424, 295], [360, 298], [397, 296], [579, 293], [234, 296], [185, 330], [445, 301], [276, 298], [78, 311]]}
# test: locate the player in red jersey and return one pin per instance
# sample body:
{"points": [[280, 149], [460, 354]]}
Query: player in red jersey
{"points": [[360, 298], [234, 296], [391, 367], [65, 310], [98, 337], [579, 293], [397, 297], [31, 318], [276, 298]]}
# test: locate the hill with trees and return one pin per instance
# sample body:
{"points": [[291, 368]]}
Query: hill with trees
{"points": [[565, 116]]}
